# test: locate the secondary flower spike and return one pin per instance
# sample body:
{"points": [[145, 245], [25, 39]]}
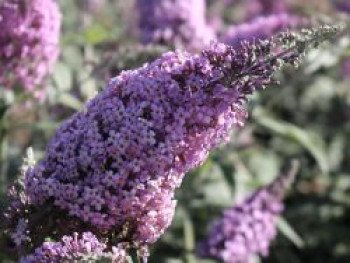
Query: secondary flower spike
{"points": [[76, 248], [260, 28], [249, 227], [29, 39], [114, 166], [255, 8], [181, 23]]}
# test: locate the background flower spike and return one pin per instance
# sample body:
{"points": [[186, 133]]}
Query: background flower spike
{"points": [[249, 227]]}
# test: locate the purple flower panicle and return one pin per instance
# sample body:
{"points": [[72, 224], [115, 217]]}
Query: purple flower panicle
{"points": [[29, 39], [74, 249], [117, 163], [181, 23], [256, 8], [249, 227], [114, 166], [260, 28]]}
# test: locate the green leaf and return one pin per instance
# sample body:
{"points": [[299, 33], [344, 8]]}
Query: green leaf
{"points": [[4, 149], [206, 261], [45, 126], [188, 228], [70, 101], [215, 190], [173, 260], [289, 232], [336, 151], [96, 34], [312, 142], [254, 259], [73, 56], [189, 238], [62, 77], [265, 165]]}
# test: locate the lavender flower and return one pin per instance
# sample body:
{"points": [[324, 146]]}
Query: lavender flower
{"points": [[260, 28], [74, 248], [249, 227], [114, 167], [180, 23], [29, 40]]}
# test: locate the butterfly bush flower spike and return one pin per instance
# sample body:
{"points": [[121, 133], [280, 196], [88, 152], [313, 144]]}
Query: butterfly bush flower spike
{"points": [[181, 23], [114, 166], [29, 39], [260, 28], [76, 248], [256, 8], [249, 227]]}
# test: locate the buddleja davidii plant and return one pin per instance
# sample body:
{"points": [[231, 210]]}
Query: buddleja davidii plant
{"points": [[110, 171]]}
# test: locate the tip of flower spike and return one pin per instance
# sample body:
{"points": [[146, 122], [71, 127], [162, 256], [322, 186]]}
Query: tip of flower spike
{"points": [[284, 181], [261, 28], [248, 228], [309, 37]]}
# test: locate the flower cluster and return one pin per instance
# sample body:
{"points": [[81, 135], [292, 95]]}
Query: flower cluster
{"points": [[249, 227], [180, 23], [114, 166], [117, 163], [260, 28], [74, 248], [29, 40]]}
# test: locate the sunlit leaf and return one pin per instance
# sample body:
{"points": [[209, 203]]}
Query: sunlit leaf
{"points": [[311, 141], [96, 34], [70, 101], [62, 77], [289, 232]]}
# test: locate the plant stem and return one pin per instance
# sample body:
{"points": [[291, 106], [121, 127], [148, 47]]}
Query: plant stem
{"points": [[189, 238]]}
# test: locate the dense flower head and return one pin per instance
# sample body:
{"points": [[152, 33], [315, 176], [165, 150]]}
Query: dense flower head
{"points": [[74, 248], [117, 163], [114, 166], [249, 227], [181, 23], [260, 28], [120, 160], [29, 40]]}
